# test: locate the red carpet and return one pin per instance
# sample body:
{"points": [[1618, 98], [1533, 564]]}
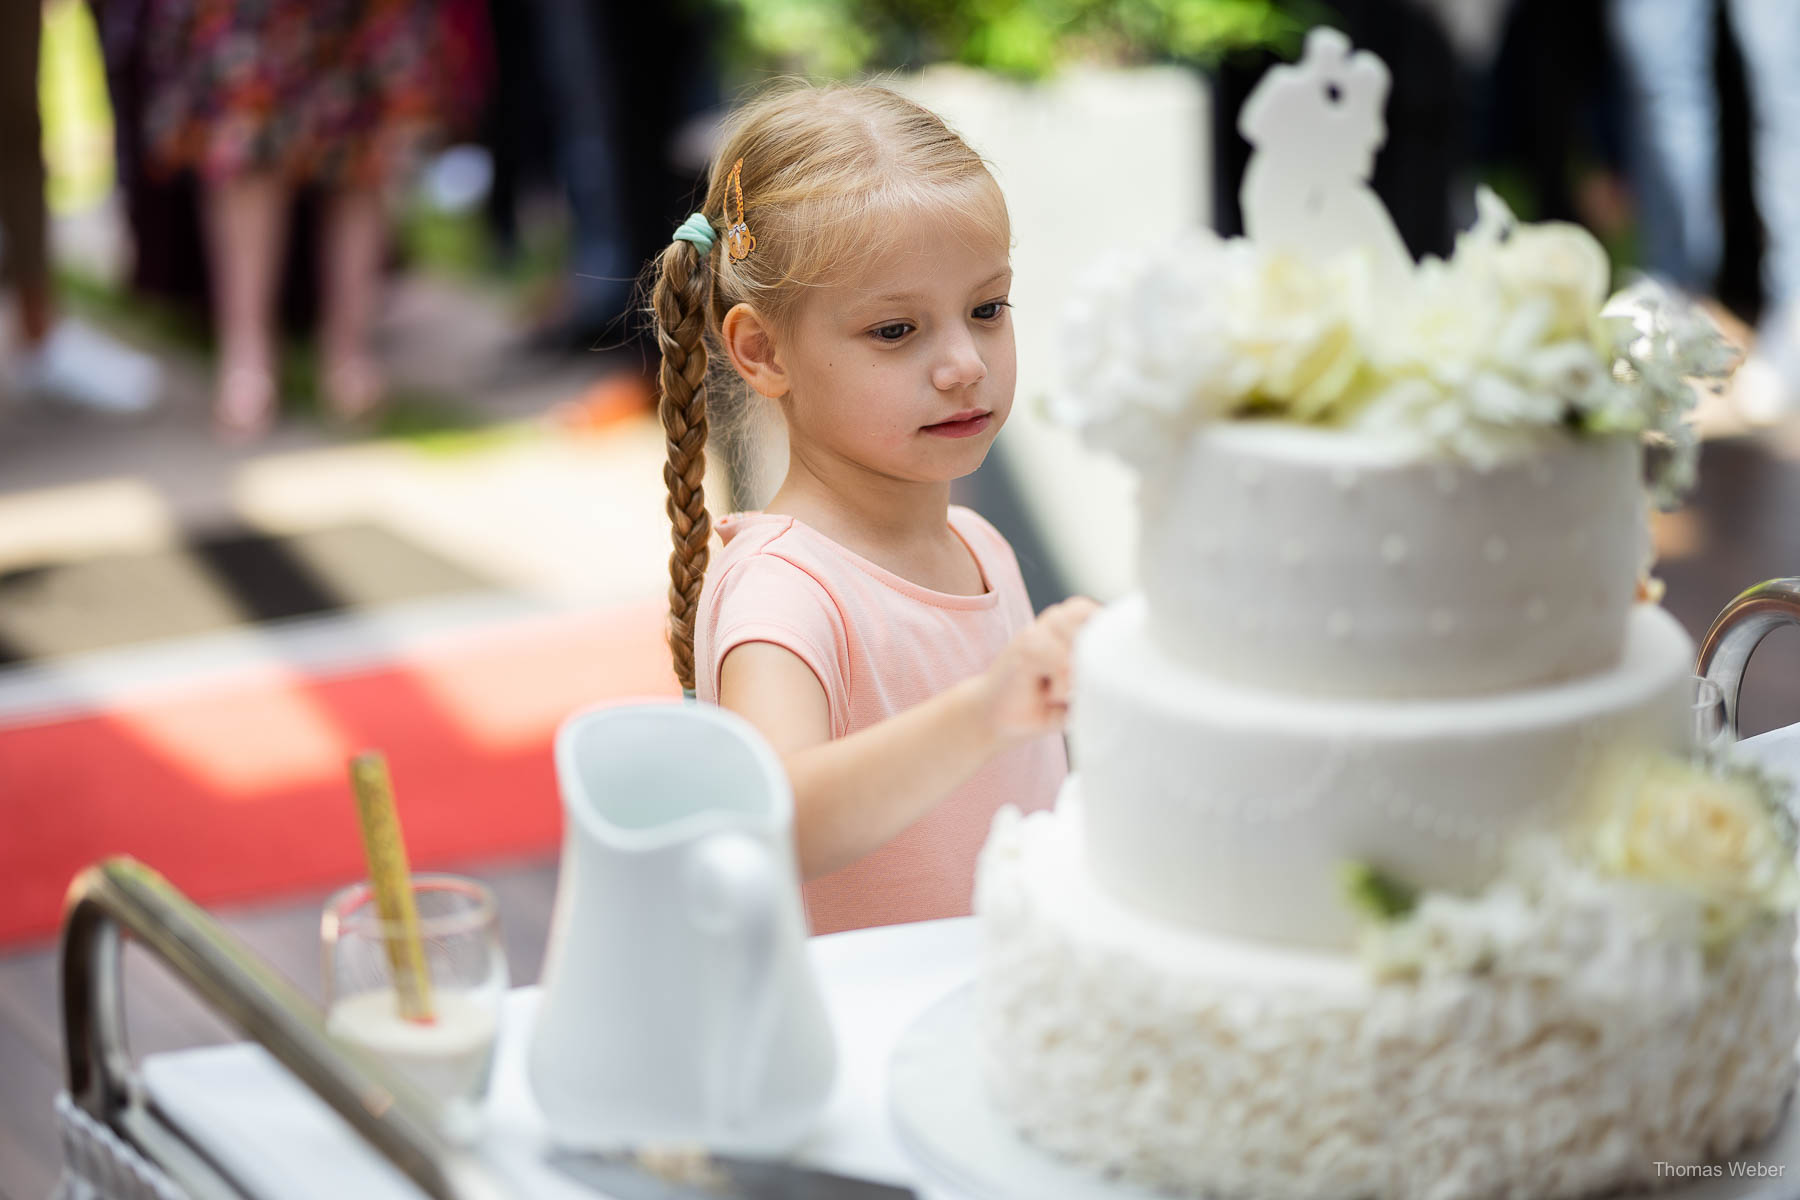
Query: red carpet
{"points": [[233, 786]]}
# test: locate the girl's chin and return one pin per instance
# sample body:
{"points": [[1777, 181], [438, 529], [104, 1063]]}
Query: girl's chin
{"points": [[946, 467], [942, 467]]}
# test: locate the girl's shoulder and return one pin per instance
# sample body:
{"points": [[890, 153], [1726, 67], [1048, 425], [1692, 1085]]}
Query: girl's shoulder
{"points": [[762, 544], [742, 534], [764, 579], [761, 585], [989, 544], [966, 520]]}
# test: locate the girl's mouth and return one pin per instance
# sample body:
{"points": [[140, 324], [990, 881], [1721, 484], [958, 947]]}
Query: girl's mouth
{"points": [[967, 426]]}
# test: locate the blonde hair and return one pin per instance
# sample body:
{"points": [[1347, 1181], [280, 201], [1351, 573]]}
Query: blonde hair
{"points": [[823, 168]]}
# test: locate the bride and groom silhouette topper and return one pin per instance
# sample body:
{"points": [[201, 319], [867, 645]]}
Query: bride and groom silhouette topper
{"points": [[1315, 126]]}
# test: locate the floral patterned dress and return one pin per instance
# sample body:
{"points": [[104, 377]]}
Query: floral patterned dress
{"points": [[341, 92]]}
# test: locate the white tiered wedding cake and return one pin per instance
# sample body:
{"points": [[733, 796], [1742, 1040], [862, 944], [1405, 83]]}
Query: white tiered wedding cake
{"points": [[1388, 868]]}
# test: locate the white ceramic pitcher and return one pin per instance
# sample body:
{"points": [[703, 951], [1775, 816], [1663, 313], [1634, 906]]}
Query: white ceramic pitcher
{"points": [[678, 1000]]}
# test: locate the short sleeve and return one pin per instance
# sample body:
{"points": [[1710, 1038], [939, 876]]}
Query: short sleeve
{"points": [[767, 598]]}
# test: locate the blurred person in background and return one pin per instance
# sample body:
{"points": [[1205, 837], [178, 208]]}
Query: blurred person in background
{"points": [[1666, 50], [1550, 117], [257, 97], [621, 86], [580, 51], [57, 357]]}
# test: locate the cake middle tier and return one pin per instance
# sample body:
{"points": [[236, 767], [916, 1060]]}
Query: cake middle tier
{"points": [[1235, 809]]}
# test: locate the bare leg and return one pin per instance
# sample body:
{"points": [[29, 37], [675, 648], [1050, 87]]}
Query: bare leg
{"points": [[246, 226], [355, 240], [37, 313]]}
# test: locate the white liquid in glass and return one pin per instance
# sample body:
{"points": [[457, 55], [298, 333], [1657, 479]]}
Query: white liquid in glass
{"points": [[448, 1059]]}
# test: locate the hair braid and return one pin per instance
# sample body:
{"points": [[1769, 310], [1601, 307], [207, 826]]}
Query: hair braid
{"points": [[679, 300]]}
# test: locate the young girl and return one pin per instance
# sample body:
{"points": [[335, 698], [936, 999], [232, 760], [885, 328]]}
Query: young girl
{"points": [[851, 262]]}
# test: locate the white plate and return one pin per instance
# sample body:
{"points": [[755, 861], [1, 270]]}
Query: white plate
{"points": [[942, 1115]]}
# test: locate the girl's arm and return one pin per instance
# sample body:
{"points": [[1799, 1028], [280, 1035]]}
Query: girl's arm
{"points": [[855, 794]]}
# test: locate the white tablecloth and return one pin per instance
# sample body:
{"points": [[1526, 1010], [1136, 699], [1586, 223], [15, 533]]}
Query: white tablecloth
{"points": [[273, 1134]]}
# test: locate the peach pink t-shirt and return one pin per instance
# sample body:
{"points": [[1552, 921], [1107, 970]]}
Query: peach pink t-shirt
{"points": [[880, 644]]}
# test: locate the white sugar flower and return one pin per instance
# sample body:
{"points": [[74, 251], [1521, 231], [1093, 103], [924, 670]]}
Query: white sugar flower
{"points": [[1480, 353], [1147, 353], [1561, 264], [1570, 368], [1714, 833], [1441, 327], [1293, 330], [1495, 399]]}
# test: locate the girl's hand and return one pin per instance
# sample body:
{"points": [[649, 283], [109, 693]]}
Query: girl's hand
{"points": [[1025, 692]]}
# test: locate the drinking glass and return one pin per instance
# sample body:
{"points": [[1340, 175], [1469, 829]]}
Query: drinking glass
{"points": [[1706, 715], [450, 1058]]}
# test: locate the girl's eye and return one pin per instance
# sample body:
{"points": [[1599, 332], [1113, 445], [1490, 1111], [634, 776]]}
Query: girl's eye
{"points": [[894, 332], [990, 310]]}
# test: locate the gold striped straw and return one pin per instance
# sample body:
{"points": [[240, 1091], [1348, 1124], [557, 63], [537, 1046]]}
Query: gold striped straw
{"points": [[392, 884]]}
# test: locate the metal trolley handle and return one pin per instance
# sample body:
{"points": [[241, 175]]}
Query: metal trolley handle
{"points": [[121, 894], [1737, 631]]}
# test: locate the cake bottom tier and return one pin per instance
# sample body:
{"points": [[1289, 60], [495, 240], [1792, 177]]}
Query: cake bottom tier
{"points": [[1221, 1067]]}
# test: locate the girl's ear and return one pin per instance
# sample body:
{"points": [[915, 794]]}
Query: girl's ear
{"points": [[751, 344]]}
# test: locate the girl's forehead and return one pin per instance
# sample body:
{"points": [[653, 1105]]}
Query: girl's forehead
{"points": [[917, 251]]}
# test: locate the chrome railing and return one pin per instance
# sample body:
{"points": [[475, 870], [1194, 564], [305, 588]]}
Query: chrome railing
{"points": [[1737, 631], [122, 898]]}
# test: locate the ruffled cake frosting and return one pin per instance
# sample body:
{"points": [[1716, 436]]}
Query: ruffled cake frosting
{"points": [[1589, 1043]]}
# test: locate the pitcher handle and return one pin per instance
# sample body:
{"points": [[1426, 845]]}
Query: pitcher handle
{"points": [[733, 889]]}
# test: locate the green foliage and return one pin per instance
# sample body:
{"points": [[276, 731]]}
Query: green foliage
{"points": [[157, 323], [460, 246], [75, 109], [1374, 893], [1026, 39]]}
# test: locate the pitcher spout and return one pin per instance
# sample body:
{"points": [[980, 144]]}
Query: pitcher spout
{"points": [[642, 776]]}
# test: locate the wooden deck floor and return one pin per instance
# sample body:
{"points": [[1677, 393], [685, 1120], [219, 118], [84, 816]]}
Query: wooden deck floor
{"points": [[1744, 526]]}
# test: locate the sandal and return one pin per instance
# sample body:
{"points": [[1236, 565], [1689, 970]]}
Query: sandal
{"points": [[245, 406], [354, 393]]}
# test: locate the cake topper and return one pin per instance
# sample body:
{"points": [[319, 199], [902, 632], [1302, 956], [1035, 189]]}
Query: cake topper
{"points": [[1316, 126]]}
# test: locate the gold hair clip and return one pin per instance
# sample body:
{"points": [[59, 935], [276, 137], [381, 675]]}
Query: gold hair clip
{"points": [[738, 237]]}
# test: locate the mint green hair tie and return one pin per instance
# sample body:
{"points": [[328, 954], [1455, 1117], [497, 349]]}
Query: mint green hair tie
{"points": [[698, 231]]}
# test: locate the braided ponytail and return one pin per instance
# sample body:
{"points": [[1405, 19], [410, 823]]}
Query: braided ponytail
{"points": [[680, 300]]}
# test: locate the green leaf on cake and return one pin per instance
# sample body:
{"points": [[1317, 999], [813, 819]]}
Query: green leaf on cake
{"points": [[1376, 894]]}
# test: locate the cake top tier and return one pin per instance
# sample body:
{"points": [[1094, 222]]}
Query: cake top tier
{"points": [[1314, 562], [1321, 317]]}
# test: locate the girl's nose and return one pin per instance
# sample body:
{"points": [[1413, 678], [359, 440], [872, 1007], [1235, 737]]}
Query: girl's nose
{"points": [[961, 366]]}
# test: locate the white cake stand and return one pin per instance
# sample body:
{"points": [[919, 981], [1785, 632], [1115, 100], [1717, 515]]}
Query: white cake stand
{"points": [[944, 1120]]}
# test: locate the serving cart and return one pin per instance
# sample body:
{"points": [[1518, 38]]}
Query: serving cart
{"points": [[286, 1114]]}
